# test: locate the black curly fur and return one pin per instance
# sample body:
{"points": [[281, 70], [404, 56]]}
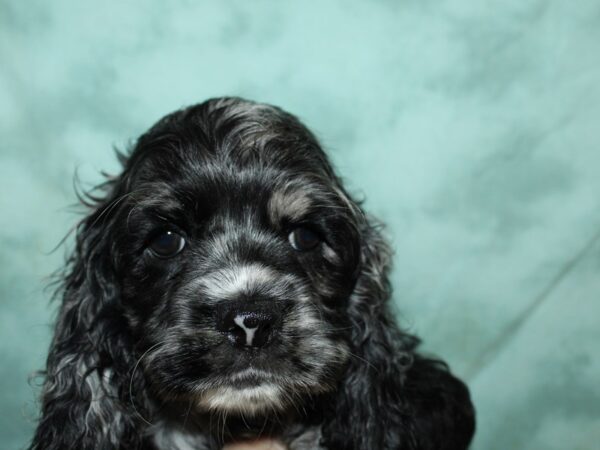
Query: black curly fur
{"points": [[112, 381]]}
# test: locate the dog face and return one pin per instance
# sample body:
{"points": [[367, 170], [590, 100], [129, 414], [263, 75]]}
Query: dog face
{"points": [[225, 287], [236, 250]]}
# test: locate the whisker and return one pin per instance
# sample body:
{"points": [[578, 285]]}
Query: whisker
{"points": [[131, 382], [187, 414], [363, 360]]}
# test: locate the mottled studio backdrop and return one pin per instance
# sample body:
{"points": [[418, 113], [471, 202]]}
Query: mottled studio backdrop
{"points": [[471, 127]]}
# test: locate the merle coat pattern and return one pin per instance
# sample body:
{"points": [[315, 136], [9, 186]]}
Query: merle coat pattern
{"points": [[225, 285]]}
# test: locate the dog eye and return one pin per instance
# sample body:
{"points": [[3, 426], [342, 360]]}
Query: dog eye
{"points": [[303, 239], [167, 244]]}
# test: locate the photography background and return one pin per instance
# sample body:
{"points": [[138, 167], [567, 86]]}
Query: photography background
{"points": [[471, 128]]}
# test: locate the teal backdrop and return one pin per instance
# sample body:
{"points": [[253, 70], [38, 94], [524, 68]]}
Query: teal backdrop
{"points": [[472, 129]]}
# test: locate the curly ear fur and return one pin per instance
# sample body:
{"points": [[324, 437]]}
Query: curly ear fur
{"points": [[88, 367], [391, 397]]}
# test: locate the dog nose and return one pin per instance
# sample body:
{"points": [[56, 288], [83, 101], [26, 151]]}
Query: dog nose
{"points": [[248, 328]]}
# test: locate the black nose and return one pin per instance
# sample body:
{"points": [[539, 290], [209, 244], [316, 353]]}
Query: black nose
{"points": [[248, 327]]}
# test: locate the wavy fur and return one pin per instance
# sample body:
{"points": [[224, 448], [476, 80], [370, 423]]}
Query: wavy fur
{"points": [[133, 363]]}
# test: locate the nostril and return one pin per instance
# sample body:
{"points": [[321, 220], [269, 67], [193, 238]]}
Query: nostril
{"points": [[251, 321]]}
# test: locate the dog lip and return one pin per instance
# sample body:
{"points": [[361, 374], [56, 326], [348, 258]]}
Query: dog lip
{"points": [[250, 377]]}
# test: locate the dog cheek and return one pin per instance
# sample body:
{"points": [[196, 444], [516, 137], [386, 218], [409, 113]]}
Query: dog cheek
{"points": [[178, 365], [149, 296], [320, 362], [331, 276], [318, 348]]}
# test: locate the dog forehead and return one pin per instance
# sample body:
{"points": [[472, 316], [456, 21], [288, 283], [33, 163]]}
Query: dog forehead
{"points": [[280, 194]]}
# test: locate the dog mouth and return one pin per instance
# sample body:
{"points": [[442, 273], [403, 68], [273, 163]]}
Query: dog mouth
{"points": [[249, 377], [235, 398]]}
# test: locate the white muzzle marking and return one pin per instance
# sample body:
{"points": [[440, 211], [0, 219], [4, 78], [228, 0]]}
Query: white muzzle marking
{"points": [[239, 321]]}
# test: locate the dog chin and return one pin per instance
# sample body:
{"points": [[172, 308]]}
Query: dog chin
{"points": [[250, 400]]}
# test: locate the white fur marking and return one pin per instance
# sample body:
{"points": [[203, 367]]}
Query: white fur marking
{"points": [[229, 282], [239, 321], [248, 400]]}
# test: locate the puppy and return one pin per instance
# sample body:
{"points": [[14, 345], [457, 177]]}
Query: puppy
{"points": [[226, 289]]}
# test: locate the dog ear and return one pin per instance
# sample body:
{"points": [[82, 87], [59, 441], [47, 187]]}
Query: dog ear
{"points": [[88, 368], [390, 397]]}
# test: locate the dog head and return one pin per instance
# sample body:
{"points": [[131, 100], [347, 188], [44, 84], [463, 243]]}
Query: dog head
{"points": [[235, 250], [226, 276]]}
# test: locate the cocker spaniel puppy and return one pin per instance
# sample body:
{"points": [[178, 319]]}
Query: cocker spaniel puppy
{"points": [[224, 288]]}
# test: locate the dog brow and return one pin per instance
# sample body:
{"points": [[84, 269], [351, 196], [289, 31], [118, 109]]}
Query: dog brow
{"points": [[288, 203]]}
